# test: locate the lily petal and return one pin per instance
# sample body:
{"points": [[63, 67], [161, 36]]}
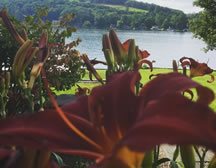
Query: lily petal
{"points": [[174, 82], [173, 119], [117, 102], [144, 61], [143, 54], [46, 131]]}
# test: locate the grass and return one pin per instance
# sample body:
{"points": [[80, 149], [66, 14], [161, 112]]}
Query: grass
{"points": [[89, 85], [145, 78], [123, 8], [119, 7]]}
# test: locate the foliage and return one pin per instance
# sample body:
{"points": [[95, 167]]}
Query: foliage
{"points": [[123, 8], [117, 2], [203, 25], [63, 65], [8, 48], [106, 13]]}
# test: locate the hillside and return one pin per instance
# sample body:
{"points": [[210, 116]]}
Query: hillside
{"points": [[122, 14]]}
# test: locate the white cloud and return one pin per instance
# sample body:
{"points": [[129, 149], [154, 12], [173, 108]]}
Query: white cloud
{"points": [[184, 5]]}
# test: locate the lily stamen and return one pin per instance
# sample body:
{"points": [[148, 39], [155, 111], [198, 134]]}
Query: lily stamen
{"points": [[65, 119]]}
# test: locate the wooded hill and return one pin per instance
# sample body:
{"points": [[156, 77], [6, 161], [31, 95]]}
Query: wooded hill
{"points": [[122, 14]]}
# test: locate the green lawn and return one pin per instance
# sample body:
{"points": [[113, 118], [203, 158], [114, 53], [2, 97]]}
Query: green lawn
{"points": [[145, 78], [123, 8]]}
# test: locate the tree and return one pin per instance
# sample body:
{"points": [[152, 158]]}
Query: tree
{"points": [[203, 25], [63, 65], [181, 21], [101, 15], [8, 48]]}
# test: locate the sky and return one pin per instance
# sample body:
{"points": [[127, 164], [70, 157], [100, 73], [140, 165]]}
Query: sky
{"points": [[184, 5]]}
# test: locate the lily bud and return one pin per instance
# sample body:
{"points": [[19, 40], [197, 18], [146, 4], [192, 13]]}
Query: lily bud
{"points": [[119, 52], [109, 58], [137, 54], [106, 42], [108, 52], [23, 58], [35, 72], [131, 53], [187, 155]]}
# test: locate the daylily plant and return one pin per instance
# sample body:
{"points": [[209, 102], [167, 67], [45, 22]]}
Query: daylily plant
{"points": [[30, 53], [119, 56], [123, 56], [115, 126]]}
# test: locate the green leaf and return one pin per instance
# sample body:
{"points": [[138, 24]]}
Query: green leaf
{"points": [[160, 161], [187, 155], [176, 153], [58, 159], [147, 161], [173, 164]]}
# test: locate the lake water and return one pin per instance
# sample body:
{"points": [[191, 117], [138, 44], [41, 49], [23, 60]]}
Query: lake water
{"points": [[163, 46]]}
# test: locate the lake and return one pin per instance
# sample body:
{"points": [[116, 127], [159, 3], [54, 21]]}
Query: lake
{"points": [[163, 46]]}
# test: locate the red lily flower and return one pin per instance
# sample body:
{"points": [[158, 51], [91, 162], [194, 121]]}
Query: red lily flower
{"points": [[196, 68], [114, 124], [142, 53]]}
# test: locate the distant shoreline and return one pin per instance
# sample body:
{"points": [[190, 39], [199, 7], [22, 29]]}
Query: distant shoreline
{"points": [[132, 30]]}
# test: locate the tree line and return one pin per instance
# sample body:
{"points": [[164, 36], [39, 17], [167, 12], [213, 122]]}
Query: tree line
{"points": [[121, 14]]}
